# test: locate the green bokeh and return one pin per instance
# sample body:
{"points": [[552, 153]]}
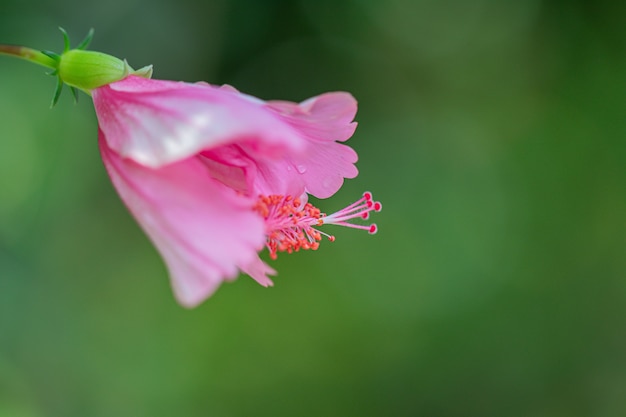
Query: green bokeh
{"points": [[493, 132]]}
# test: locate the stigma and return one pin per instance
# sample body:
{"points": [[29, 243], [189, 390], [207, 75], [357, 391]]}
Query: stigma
{"points": [[292, 225]]}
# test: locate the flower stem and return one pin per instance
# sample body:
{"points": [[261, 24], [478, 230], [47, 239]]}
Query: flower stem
{"points": [[29, 54]]}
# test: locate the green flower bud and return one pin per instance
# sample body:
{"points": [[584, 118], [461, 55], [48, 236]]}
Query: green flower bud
{"points": [[87, 70], [78, 68]]}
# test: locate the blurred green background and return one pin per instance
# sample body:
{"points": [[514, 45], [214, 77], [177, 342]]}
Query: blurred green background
{"points": [[493, 132]]}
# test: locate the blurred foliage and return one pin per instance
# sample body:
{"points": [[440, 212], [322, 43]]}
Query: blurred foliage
{"points": [[493, 132]]}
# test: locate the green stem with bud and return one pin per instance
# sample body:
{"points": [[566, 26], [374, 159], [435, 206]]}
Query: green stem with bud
{"points": [[78, 68]]}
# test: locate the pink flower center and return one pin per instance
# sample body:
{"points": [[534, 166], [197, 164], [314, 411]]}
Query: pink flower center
{"points": [[291, 226]]}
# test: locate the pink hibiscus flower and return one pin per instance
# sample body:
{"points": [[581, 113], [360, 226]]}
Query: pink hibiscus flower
{"points": [[213, 175]]}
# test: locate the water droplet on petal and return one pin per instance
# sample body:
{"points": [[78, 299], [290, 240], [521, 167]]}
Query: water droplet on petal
{"points": [[301, 169]]}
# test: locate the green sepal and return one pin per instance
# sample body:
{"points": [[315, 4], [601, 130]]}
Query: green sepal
{"points": [[145, 72], [66, 40], [74, 91], [57, 92], [85, 42], [53, 55], [88, 70]]}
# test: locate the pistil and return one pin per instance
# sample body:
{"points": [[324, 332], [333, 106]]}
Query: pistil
{"points": [[292, 225]]}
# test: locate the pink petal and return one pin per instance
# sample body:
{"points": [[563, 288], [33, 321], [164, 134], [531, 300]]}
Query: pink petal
{"points": [[327, 117], [205, 231], [157, 122], [243, 168], [319, 170], [323, 168], [258, 270], [324, 164]]}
